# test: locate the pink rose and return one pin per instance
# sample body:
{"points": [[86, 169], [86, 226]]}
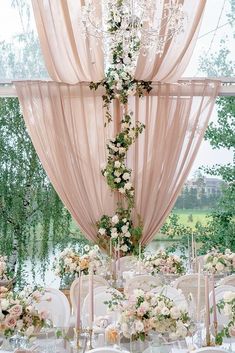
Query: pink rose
{"points": [[232, 331], [43, 315], [16, 310], [10, 321]]}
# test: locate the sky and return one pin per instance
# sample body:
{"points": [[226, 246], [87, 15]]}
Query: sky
{"points": [[10, 25]]}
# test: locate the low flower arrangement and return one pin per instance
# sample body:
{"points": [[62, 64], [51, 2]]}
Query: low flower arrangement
{"points": [[217, 262], [227, 307], [19, 313], [164, 263], [70, 263], [143, 312]]}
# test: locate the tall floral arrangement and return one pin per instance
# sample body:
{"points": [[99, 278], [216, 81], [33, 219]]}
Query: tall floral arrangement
{"points": [[164, 263], [119, 83]]}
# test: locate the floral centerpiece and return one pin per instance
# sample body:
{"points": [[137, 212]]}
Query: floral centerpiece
{"points": [[164, 263], [143, 312], [70, 263], [227, 307], [20, 315], [217, 262]]}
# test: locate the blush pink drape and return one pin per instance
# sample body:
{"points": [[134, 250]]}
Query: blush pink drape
{"points": [[71, 58], [66, 125]]}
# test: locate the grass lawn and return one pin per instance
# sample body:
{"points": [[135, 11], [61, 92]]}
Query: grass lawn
{"points": [[191, 217]]}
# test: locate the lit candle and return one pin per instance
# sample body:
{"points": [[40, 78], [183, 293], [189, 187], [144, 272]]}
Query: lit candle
{"points": [[207, 310], [139, 261], [198, 292], [78, 321], [214, 304], [91, 298]]}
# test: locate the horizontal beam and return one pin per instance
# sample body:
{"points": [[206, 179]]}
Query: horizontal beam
{"points": [[227, 88]]}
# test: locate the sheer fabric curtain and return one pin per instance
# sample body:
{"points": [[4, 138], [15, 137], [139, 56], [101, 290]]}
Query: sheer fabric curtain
{"points": [[66, 124], [70, 58]]}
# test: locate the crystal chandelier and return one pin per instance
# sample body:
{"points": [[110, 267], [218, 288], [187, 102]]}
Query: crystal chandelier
{"points": [[152, 22]]}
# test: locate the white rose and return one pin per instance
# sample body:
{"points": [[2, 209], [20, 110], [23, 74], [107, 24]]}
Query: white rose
{"points": [[124, 229], [165, 311], [229, 296], [138, 293], [132, 133], [4, 304], [126, 176], [117, 180], [114, 235], [219, 267], [139, 326], [121, 190], [102, 231], [124, 248], [175, 313], [86, 247], [115, 219], [128, 186], [127, 234], [227, 310], [117, 173], [117, 164], [122, 150]]}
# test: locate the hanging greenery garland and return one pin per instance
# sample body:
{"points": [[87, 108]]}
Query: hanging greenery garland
{"points": [[119, 83]]}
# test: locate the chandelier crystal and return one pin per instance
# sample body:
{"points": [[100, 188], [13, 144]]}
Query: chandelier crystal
{"points": [[151, 23]]}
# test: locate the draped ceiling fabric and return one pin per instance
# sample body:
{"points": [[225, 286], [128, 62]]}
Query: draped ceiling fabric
{"points": [[71, 58], [66, 124]]}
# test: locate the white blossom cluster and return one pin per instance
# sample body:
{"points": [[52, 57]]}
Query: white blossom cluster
{"points": [[3, 267], [164, 263], [217, 262], [143, 312]]}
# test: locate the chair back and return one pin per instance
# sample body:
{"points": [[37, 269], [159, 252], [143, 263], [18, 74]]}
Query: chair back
{"points": [[127, 263], [172, 293], [101, 295], [144, 282], [229, 280], [188, 284], [98, 281], [56, 303]]}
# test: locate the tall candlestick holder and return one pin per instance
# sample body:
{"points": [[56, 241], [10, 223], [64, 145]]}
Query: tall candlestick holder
{"points": [[77, 336]]}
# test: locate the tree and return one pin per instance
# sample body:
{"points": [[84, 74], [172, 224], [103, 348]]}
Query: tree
{"points": [[220, 229], [32, 218]]}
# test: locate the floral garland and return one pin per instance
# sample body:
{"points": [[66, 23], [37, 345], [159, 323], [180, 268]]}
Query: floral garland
{"points": [[119, 83]]}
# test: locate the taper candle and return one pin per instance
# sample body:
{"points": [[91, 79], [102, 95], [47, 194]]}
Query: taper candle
{"points": [[198, 292], [91, 299], [214, 303], [192, 246], [110, 248], [78, 321], [207, 310]]}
